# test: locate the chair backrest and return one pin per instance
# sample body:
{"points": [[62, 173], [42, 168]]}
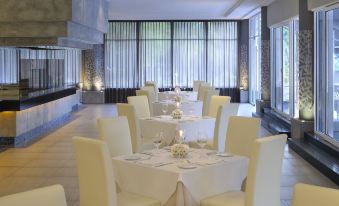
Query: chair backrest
{"points": [[207, 100], [150, 96], [116, 133], [263, 179], [309, 195], [215, 103], [241, 134], [51, 196], [196, 85], [128, 111], [221, 124], [152, 84], [201, 92], [141, 105], [96, 179]]}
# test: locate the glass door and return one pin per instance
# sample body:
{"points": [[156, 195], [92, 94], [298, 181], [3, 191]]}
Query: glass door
{"points": [[285, 61], [255, 58], [327, 75]]}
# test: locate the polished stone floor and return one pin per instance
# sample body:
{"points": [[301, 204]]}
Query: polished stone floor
{"points": [[51, 159]]}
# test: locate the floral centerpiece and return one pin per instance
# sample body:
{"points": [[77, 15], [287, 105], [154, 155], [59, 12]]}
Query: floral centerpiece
{"points": [[177, 114], [179, 150]]}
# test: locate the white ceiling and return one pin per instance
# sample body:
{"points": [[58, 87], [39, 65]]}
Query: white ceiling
{"points": [[184, 9]]}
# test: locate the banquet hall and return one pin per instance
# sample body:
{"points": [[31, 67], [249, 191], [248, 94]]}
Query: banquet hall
{"points": [[169, 103]]}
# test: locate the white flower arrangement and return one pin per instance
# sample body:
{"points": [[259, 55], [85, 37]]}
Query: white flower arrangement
{"points": [[179, 150], [177, 114]]}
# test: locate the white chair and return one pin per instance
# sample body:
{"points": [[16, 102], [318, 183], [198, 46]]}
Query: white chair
{"points": [[141, 106], [150, 96], [96, 177], [51, 196], [207, 99], [241, 134], [202, 88], [115, 132], [215, 103], [309, 195], [152, 84], [263, 179], [221, 124], [196, 85], [138, 144]]}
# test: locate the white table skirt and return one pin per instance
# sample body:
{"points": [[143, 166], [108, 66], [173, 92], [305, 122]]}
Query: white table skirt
{"points": [[185, 96], [212, 176], [192, 126], [188, 107]]}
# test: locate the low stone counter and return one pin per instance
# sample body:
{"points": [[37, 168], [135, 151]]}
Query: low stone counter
{"points": [[19, 128]]}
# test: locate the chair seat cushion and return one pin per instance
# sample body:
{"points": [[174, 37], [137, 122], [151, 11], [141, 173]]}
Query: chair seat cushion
{"points": [[225, 199], [129, 199]]}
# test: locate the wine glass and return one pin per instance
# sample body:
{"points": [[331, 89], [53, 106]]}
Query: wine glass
{"points": [[164, 108], [191, 108], [158, 140], [202, 140]]}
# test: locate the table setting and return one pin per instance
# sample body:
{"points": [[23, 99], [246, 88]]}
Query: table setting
{"points": [[178, 174]]}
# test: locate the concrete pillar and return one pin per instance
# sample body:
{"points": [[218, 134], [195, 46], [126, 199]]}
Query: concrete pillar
{"points": [[265, 100], [305, 121], [244, 61]]}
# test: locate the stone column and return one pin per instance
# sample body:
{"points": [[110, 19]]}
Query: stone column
{"points": [[305, 122], [265, 100], [93, 75], [244, 60]]}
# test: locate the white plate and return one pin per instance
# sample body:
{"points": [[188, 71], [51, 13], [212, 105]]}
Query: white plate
{"points": [[224, 155], [132, 158], [187, 166]]}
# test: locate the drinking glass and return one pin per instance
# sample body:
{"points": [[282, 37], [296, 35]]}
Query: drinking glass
{"points": [[164, 108], [202, 140], [158, 140]]}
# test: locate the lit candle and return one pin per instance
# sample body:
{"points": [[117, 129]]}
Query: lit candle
{"points": [[181, 133]]}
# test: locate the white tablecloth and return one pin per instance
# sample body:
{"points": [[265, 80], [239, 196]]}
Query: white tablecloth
{"points": [[158, 176], [188, 107], [185, 96], [191, 126]]}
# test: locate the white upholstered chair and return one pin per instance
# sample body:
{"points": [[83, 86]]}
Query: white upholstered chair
{"points": [[263, 179], [138, 144], [141, 105], [196, 85], [215, 103], [150, 96], [51, 196], [309, 195], [115, 132], [241, 134], [207, 99], [96, 177], [221, 124], [152, 84], [202, 88]]}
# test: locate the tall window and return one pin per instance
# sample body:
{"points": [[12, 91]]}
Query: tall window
{"points": [[285, 70], [327, 75], [172, 53], [189, 52], [155, 53], [255, 55]]}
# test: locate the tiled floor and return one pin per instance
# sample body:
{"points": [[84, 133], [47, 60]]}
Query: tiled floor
{"points": [[51, 160]]}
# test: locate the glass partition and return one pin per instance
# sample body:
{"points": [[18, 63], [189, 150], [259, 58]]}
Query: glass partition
{"points": [[27, 71]]}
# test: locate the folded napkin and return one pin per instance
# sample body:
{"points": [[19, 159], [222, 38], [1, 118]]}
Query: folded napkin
{"points": [[155, 162], [203, 162]]}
